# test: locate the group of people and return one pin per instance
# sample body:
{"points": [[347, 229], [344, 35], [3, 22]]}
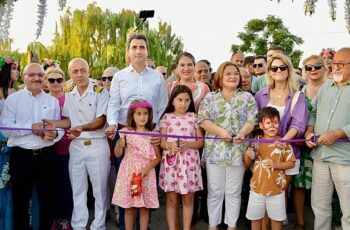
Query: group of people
{"points": [[255, 116]]}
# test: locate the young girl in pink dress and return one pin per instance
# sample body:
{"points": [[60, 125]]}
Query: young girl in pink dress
{"points": [[140, 159], [180, 171]]}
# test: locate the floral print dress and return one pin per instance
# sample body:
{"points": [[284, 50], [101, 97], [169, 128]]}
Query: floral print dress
{"points": [[185, 175], [138, 153], [231, 115]]}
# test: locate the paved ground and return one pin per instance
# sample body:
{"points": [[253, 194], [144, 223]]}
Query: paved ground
{"points": [[158, 220]]}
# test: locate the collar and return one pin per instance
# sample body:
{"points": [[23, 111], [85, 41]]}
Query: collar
{"points": [[333, 83], [130, 68], [30, 93], [89, 88]]}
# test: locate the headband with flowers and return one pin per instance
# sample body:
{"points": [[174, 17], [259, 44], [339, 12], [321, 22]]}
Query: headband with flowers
{"points": [[46, 63], [140, 103], [7, 60]]}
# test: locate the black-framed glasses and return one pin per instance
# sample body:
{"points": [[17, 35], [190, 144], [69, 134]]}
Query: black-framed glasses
{"points": [[260, 65], [164, 74], [316, 66], [53, 80], [110, 78], [281, 68], [339, 65]]}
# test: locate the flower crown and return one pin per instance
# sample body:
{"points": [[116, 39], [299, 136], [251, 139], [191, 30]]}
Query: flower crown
{"points": [[328, 51], [7, 60], [140, 103], [46, 63]]}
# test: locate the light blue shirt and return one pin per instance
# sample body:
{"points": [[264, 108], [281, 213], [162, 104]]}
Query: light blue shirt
{"points": [[330, 112], [127, 85]]}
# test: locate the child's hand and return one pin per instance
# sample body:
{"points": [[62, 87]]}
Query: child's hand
{"points": [[250, 153], [280, 145], [173, 146], [145, 172], [155, 140], [183, 145], [268, 163], [121, 142]]}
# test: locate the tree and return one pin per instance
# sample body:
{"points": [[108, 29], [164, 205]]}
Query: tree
{"points": [[259, 34], [100, 37], [310, 6]]}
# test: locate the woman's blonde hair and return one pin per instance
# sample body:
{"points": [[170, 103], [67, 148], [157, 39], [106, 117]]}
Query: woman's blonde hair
{"points": [[291, 80], [54, 69], [320, 60]]}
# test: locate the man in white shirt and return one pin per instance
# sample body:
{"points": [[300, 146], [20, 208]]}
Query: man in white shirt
{"points": [[136, 80], [33, 157], [85, 106]]}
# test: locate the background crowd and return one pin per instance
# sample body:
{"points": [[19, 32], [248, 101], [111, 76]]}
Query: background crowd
{"points": [[244, 139]]}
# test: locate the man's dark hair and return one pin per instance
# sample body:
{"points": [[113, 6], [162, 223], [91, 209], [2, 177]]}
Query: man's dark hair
{"points": [[261, 57], [268, 112], [249, 60], [276, 47], [138, 37]]}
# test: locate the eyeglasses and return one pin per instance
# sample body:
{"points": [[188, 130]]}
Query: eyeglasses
{"points": [[164, 74], [260, 65], [34, 74], [53, 80], [339, 65], [281, 68], [316, 66], [110, 78]]}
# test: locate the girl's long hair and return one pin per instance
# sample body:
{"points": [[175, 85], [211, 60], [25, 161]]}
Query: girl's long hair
{"points": [[174, 93], [131, 122]]}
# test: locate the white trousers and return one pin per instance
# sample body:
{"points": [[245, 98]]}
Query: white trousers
{"points": [[93, 161], [224, 182], [324, 177]]}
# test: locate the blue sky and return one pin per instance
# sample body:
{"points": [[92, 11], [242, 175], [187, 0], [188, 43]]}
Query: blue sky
{"points": [[207, 28]]}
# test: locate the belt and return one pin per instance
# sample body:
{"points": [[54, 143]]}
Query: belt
{"points": [[35, 152], [85, 142]]}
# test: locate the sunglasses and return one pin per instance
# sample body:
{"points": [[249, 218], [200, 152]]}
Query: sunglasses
{"points": [[260, 65], [105, 78], [281, 68], [53, 80], [164, 74], [316, 66]]}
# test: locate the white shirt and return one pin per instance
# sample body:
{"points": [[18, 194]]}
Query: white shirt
{"points": [[280, 109], [86, 108], [127, 85], [21, 110]]}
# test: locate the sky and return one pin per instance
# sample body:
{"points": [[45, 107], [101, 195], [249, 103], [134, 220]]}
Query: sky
{"points": [[207, 28]]}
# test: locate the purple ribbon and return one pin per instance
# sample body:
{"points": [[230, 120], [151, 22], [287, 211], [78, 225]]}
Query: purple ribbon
{"points": [[184, 137]]}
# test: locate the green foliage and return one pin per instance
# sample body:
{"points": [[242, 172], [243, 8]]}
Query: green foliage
{"points": [[260, 34], [100, 37]]}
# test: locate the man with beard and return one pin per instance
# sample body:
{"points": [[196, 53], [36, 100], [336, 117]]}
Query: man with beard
{"points": [[330, 121]]}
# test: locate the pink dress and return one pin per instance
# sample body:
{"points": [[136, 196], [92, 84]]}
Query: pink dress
{"points": [[185, 175], [138, 153]]}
